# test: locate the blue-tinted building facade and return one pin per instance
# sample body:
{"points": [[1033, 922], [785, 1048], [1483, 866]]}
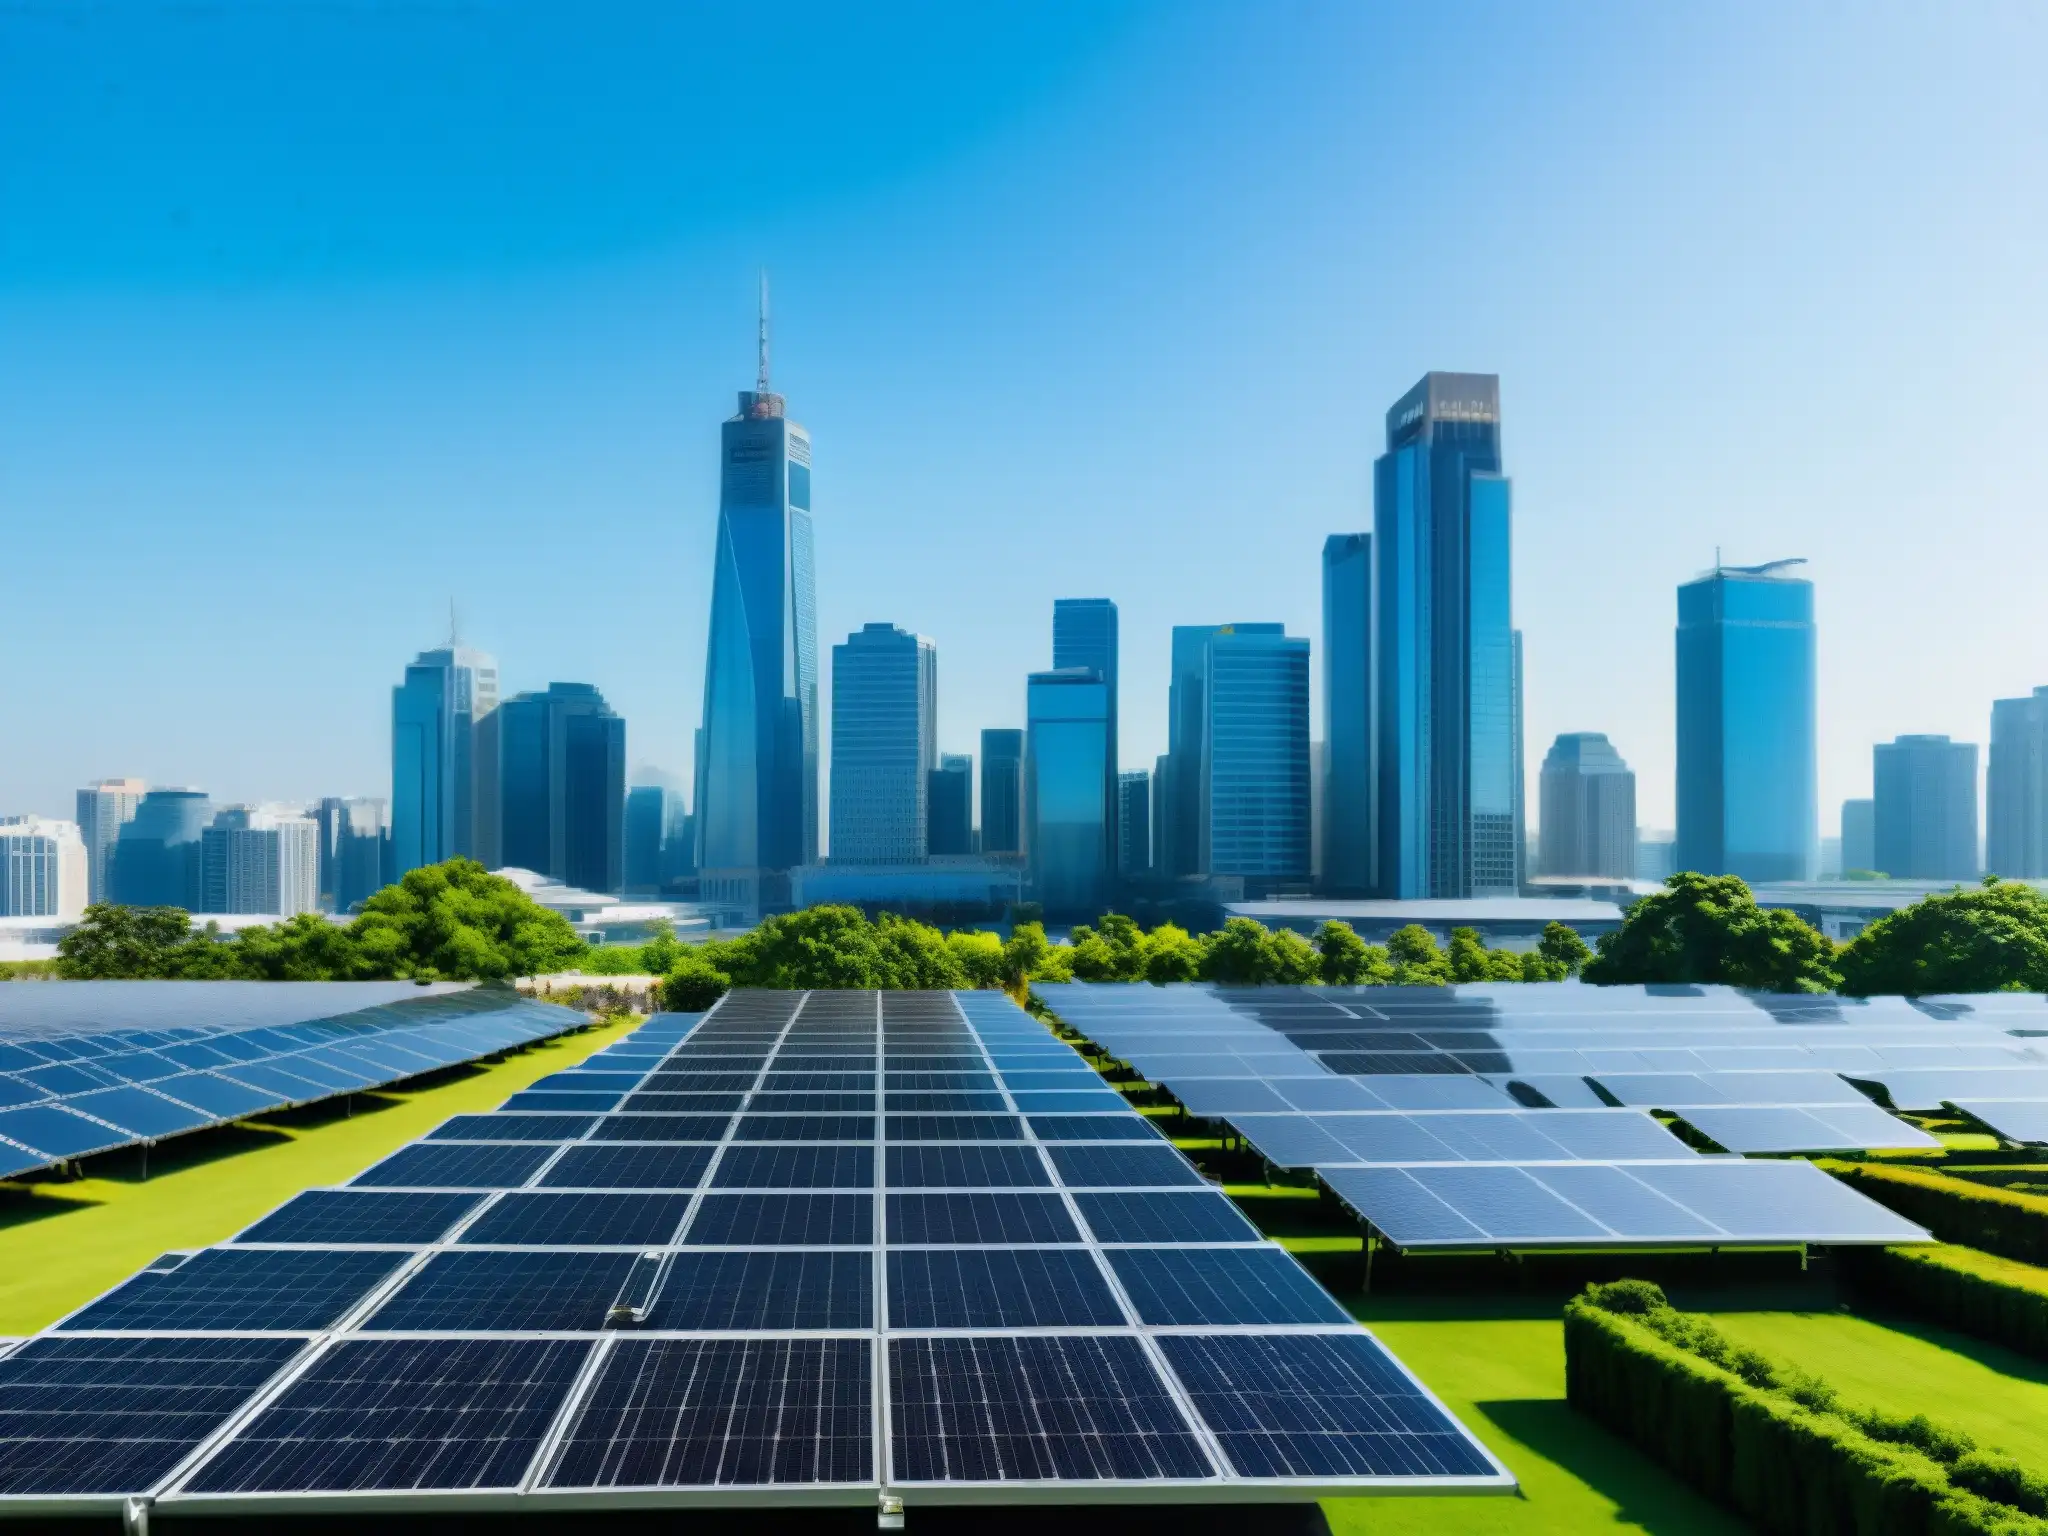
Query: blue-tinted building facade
{"points": [[1002, 790], [645, 836], [1924, 820], [1084, 634], [2016, 788], [441, 780], [757, 764], [1446, 657], [885, 685], [1178, 853], [1747, 792], [155, 860], [1134, 824], [1347, 831], [1253, 805], [1067, 811], [562, 786], [949, 815]]}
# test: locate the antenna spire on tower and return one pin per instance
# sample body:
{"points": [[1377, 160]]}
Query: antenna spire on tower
{"points": [[454, 626], [761, 385]]}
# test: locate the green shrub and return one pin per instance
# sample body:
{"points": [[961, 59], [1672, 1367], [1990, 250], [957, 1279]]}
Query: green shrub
{"points": [[2001, 1221], [2002, 1300]]}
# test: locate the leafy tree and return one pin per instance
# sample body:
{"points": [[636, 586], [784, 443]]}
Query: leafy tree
{"points": [[125, 943], [1505, 965], [915, 957], [1346, 960], [979, 956], [1563, 952], [1172, 954], [1290, 959], [457, 920], [1115, 952], [1416, 960], [1025, 954], [1237, 954], [1990, 938], [302, 948], [1708, 928], [693, 983], [1468, 956]]}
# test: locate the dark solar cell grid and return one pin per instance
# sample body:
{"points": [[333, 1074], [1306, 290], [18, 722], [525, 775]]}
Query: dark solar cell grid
{"points": [[1184, 1286], [473, 1413], [80, 1415], [818, 1082], [1023, 1217], [1034, 1408], [991, 1166], [664, 1166], [946, 1103], [813, 1103], [242, 1288], [512, 1127], [955, 1128], [539, 1292], [453, 1165], [772, 1127], [1138, 1217], [578, 1220], [1082, 1166], [362, 1216], [682, 1103], [789, 1288], [924, 1061], [700, 1082], [941, 1082], [767, 1221], [700, 1128], [795, 1165], [719, 1412], [999, 1288], [1124, 1127], [567, 1103]]}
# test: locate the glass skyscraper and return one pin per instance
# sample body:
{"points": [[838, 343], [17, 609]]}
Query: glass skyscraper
{"points": [[1588, 809], [1859, 836], [1747, 796], [1347, 864], [885, 685], [1134, 824], [647, 822], [1253, 807], [1179, 790], [1002, 791], [355, 849], [949, 823], [104, 807], [1084, 634], [757, 765], [156, 858], [1067, 815], [2016, 788], [562, 786], [1925, 815], [1446, 657], [435, 764]]}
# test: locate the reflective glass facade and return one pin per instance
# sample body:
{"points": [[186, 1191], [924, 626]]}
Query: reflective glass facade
{"points": [[562, 786], [435, 762], [1134, 824], [645, 836], [949, 821], [1587, 821], [1002, 791], [1925, 812], [1446, 658], [1084, 634], [355, 850], [1066, 796], [1178, 852], [757, 763], [155, 862], [2016, 788], [1347, 865], [885, 684], [1747, 797], [1859, 836], [1254, 779]]}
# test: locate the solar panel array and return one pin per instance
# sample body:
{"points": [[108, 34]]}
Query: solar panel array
{"points": [[89, 1066], [1496, 1117], [817, 1247]]}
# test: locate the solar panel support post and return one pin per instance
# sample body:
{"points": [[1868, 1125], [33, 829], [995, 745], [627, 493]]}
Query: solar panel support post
{"points": [[889, 1513], [135, 1515]]}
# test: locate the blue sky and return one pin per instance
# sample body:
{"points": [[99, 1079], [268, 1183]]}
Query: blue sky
{"points": [[313, 318]]}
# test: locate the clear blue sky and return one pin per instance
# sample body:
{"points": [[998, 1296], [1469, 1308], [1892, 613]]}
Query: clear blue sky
{"points": [[314, 317]]}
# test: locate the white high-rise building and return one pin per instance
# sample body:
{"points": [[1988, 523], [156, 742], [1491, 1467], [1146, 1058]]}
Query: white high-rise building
{"points": [[104, 806], [264, 861], [43, 868]]}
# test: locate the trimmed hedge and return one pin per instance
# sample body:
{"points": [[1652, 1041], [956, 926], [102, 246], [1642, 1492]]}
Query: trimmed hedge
{"points": [[2001, 1221], [2001, 1300], [1776, 1449]]}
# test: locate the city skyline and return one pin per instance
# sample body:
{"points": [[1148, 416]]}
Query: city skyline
{"points": [[454, 420]]}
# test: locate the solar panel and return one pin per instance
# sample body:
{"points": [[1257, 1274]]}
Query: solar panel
{"points": [[1005, 1217], [487, 1290], [998, 1288], [1082, 1166], [508, 1127], [995, 1166], [1162, 1217], [1178, 1286], [362, 1216], [1120, 1127], [660, 1128], [795, 1166], [2020, 1120], [454, 1165], [240, 1289], [656, 1166], [784, 1289], [1822, 1128], [766, 1220]]}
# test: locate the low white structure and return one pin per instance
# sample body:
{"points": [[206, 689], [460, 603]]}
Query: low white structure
{"points": [[599, 918], [44, 871]]}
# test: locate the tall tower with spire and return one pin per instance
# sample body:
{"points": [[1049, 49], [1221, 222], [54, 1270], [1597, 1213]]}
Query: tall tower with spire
{"points": [[757, 754]]}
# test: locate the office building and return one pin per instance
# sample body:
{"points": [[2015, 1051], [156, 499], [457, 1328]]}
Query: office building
{"points": [[646, 833], [1656, 855], [950, 801], [155, 859], [1344, 800], [1748, 802], [259, 861], [1253, 774], [1002, 791], [45, 868], [1084, 634], [1925, 808], [1445, 655], [2016, 788], [1134, 824], [104, 807], [437, 766], [1067, 812], [1587, 802], [1859, 837], [757, 760], [885, 743], [1178, 786], [355, 850], [562, 786]]}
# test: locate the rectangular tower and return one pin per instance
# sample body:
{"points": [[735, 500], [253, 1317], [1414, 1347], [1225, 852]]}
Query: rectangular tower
{"points": [[1067, 813], [949, 823], [2016, 788], [434, 760], [1134, 824], [104, 807], [562, 786], [1254, 769], [1445, 711], [885, 740], [1002, 791], [1179, 854], [1084, 634], [1347, 820], [1924, 816], [1588, 799]]}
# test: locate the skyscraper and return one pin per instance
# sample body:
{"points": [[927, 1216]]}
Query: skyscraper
{"points": [[1066, 798], [104, 807], [155, 860], [435, 763], [949, 822], [2016, 788], [885, 744], [1859, 836], [1447, 710], [1747, 797], [1253, 774], [562, 786], [1084, 634], [1588, 803], [1925, 818], [757, 762], [1179, 788], [1002, 791], [43, 867], [646, 836], [1347, 824], [355, 849], [1134, 824], [258, 861]]}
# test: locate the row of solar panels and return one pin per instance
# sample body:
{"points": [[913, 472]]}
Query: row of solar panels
{"points": [[124, 1087], [652, 1309]]}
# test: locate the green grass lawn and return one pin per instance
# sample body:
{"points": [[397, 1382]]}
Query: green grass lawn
{"points": [[61, 1244]]}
